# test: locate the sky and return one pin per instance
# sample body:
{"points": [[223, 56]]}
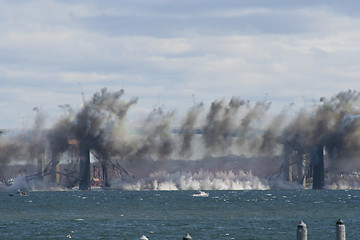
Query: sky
{"points": [[173, 53]]}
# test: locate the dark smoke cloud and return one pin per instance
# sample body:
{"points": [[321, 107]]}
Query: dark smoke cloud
{"points": [[248, 130], [333, 123], [269, 142], [235, 127], [188, 130], [93, 126], [220, 125], [24, 147], [157, 141], [37, 135], [9, 151]]}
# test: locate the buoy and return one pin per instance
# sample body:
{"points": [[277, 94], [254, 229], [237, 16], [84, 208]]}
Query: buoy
{"points": [[301, 233], [187, 237], [340, 230], [143, 237]]}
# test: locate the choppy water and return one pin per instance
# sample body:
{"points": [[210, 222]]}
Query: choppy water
{"points": [[171, 214]]}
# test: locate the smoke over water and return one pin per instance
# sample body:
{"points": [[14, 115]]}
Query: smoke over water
{"points": [[232, 144]]}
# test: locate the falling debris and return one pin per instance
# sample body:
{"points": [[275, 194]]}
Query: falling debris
{"points": [[99, 136]]}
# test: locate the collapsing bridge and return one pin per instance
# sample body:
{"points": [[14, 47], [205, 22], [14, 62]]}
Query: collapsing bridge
{"points": [[97, 128], [77, 170], [305, 167]]}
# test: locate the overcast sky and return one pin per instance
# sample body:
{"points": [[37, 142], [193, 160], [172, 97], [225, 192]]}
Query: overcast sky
{"points": [[172, 53]]}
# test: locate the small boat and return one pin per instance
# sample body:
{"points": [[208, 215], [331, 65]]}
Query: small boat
{"points": [[200, 194], [19, 193]]}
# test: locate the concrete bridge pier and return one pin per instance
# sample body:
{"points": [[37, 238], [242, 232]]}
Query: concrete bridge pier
{"points": [[317, 162], [84, 183]]}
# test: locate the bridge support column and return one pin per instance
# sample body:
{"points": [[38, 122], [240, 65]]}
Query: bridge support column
{"points": [[317, 162], [41, 161], [84, 168], [55, 167]]}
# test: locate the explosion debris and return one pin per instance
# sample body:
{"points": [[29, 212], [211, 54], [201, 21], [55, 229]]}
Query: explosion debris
{"points": [[329, 130]]}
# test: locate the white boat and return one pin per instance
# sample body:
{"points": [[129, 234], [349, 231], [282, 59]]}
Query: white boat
{"points": [[200, 194]]}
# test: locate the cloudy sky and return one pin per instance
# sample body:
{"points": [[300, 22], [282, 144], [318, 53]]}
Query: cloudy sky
{"points": [[172, 53]]}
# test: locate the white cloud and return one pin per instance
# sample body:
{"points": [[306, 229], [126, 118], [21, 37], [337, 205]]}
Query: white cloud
{"points": [[51, 51]]}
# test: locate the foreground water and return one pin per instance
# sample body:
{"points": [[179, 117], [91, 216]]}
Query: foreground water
{"points": [[172, 214]]}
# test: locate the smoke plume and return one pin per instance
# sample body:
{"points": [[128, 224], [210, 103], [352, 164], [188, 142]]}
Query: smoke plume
{"points": [[237, 127]]}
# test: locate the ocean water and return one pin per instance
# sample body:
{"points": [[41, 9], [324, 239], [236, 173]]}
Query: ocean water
{"points": [[255, 214]]}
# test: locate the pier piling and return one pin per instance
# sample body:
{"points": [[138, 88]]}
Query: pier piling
{"points": [[340, 230], [187, 237], [301, 233]]}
